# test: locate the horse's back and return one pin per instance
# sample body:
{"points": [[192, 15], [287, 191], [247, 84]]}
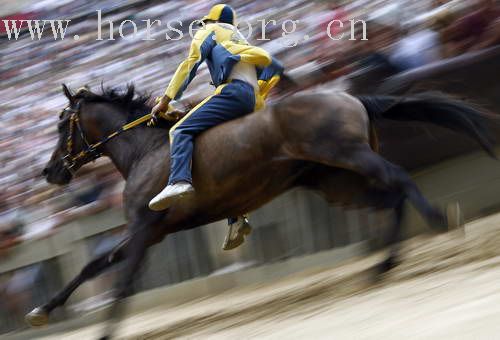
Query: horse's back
{"points": [[303, 118], [334, 115]]}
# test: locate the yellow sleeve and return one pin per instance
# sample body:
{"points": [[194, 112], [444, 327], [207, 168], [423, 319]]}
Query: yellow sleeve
{"points": [[249, 54], [202, 44], [269, 77], [266, 86]]}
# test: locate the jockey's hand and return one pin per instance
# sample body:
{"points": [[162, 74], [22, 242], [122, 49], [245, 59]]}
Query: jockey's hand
{"points": [[161, 108], [172, 115]]}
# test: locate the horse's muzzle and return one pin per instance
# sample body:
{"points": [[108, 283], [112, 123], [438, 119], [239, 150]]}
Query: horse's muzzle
{"points": [[57, 175]]}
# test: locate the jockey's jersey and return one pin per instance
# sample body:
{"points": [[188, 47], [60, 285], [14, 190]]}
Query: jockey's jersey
{"points": [[228, 56]]}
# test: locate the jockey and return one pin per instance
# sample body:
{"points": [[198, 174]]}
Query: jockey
{"points": [[243, 76]]}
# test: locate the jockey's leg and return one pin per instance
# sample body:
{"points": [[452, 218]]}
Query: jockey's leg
{"points": [[229, 102]]}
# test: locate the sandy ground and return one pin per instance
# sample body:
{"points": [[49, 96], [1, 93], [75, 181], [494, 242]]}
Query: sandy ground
{"points": [[447, 287]]}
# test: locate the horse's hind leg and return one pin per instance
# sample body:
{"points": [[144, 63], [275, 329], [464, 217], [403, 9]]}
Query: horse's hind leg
{"points": [[360, 158], [339, 186], [39, 316], [396, 179], [395, 202]]}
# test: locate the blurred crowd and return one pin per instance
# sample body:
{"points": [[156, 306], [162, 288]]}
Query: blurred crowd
{"points": [[401, 35]]}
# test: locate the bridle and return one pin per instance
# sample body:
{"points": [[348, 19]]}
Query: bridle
{"points": [[90, 152]]}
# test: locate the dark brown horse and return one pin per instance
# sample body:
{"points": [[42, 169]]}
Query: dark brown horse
{"points": [[321, 141]]}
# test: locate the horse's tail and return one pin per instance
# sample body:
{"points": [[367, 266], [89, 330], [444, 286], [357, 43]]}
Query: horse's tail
{"points": [[437, 109]]}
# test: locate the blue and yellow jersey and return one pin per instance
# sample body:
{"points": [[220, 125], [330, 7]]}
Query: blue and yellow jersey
{"points": [[222, 46]]}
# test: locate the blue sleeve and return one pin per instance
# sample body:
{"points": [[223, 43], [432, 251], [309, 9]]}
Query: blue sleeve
{"points": [[276, 68]]}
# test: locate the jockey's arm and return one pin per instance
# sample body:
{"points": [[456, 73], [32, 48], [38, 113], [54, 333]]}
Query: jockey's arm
{"points": [[201, 46], [269, 77]]}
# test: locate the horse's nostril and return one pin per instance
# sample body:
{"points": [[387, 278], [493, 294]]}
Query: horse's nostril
{"points": [[45, 172]]}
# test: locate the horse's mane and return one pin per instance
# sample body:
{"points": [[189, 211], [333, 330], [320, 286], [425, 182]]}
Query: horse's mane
{"points": [[128, 98], [134, 103]]}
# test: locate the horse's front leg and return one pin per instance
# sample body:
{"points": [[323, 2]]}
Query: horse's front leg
{"points": [[40, 315], [139, 241]]}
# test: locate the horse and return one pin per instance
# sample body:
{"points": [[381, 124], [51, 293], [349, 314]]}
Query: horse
{"points": [[323, 141]]}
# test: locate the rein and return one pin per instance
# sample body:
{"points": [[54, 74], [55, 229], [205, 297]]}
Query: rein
{"points": [[90, 152]]}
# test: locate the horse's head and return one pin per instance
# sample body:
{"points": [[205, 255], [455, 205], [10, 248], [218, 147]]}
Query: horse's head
{"points": [[92, 120], [67, 157]]}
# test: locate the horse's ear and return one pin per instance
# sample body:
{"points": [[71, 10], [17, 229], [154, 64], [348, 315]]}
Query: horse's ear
{"points": [[129, 96], [68, 94], [82, 91]]}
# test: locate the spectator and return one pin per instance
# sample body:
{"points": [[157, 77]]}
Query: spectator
{"points": [[471, 29], [416, 49]]}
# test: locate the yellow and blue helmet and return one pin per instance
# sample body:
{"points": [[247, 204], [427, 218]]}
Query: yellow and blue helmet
{"points": [[222, 13]]}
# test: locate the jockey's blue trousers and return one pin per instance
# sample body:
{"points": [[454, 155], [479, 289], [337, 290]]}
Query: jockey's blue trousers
{"points": [[230, 101]]}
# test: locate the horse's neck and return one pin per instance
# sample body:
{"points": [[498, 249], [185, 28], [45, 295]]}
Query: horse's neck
{"points": [[126, 150]]}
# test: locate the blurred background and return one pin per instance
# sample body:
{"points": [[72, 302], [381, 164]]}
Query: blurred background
{"points": [[48, 233]]}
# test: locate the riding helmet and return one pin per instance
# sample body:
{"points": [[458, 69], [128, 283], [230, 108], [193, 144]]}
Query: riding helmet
{"points": [[221, 13]]}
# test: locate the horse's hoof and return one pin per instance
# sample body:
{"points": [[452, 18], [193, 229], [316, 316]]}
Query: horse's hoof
{"points": [[38, 317], [439, 222], [387, 265], [454, 216]]}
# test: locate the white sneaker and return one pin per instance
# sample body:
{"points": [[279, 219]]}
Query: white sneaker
{"points": [[171, 192]]}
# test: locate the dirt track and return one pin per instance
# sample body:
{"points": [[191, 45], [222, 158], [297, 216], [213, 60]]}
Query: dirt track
{"points": [[448, 287]]}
